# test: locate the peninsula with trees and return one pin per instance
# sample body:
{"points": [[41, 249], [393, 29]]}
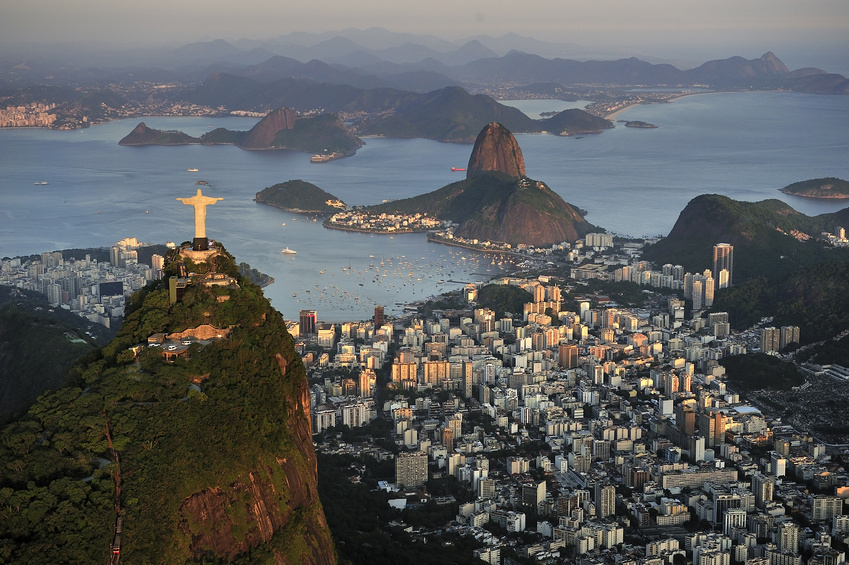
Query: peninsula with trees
{"points": [[828, 187]]}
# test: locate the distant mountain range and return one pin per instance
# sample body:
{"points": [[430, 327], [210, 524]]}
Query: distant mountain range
{"points": [[377, 58], [516, 67]]}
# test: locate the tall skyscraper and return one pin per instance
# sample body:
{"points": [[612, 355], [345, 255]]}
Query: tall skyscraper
{"points": [[723, 260], [307, 323], [379, 318], [468, 379]]}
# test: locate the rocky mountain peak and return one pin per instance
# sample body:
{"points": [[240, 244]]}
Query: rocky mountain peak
{"points": [[263, 133], [774, 64], [496, 150]]}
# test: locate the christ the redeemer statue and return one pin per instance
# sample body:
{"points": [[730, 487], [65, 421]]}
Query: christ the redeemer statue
{"points": [[200, 202]]}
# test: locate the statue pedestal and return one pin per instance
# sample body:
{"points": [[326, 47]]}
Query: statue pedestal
{"points": [[198, 256], [200, 244]]}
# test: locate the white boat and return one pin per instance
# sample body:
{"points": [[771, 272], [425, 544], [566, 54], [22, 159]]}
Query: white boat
{"points": [[192, 170], [40, 182], [287, 251]]}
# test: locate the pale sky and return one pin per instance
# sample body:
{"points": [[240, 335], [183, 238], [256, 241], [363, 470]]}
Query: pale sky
{"points": [[716, 28]]}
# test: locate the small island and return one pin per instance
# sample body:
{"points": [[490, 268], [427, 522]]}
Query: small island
{"points": [[639, 124], [575, 122], [828, 187], [300, 197]]}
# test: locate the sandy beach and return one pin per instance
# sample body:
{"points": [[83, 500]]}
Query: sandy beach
{"points": [[673, 96]]}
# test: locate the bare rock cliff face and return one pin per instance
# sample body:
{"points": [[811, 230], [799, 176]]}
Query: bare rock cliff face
{"points": [[275, 504], [262, 134], [496, 150]]}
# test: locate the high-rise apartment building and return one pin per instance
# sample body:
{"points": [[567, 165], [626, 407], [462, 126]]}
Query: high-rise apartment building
{"points": [[411, 469], [770, 340], [567, 355], [366, 383], [307, 326], [764, 488], [788, 335], [379, 317], [723, 260], [788, 537], [605, 500], [698, 295], [712, 428]]}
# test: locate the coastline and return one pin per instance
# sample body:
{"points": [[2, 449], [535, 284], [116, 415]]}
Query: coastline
{"points": [[473, 248], [360, 230], [293, 210], [613, 115], [815, 196]]}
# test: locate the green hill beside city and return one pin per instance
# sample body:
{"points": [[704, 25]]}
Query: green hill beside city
{"points": [[816, 299], [206, 453], [770, 238]]}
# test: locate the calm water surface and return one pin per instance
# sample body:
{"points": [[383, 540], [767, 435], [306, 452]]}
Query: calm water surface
{"points": [[631, 181]]}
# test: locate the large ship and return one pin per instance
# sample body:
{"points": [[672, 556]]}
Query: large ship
{"points": [[455, 169], [287, 251], [324, 157]]}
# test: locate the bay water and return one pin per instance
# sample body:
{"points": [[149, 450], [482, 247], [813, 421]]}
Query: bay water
{"points": [[630, 181]]}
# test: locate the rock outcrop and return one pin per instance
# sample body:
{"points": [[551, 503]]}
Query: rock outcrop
{"points": [[497, 202], [496, 150], [263, 133], [529, 212]]}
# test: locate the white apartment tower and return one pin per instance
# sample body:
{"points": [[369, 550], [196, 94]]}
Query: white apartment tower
{"points": [[723, 260]]}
